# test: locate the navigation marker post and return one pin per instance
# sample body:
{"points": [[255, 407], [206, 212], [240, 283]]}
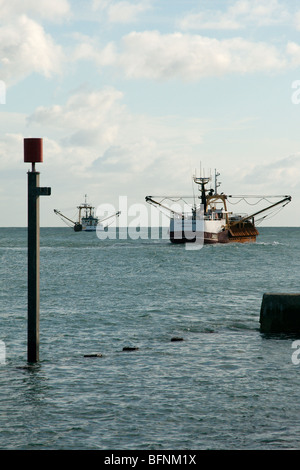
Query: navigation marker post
{"points": [[33, 153]]}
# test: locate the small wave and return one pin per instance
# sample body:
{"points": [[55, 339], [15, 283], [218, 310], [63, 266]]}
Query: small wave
{"points": [[274, 243]]}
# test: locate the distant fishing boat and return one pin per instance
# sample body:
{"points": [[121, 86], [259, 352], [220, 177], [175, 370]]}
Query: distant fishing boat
{"points": [[210, 220], [86, 219]]}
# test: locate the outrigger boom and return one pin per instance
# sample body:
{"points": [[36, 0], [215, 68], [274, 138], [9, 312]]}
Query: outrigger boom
{"points": [[77, 225], [286, 199]]}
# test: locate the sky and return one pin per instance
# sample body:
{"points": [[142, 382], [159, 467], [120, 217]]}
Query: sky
{"points": [[131, 97]]}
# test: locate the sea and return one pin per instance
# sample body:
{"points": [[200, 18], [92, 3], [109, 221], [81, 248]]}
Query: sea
{"points": [[146, 345]]}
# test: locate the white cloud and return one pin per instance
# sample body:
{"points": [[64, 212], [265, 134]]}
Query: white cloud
{"points": [[260, 13], [125, 12], [94, 136], [88, 120], [88, 49], [281, 173], [293, 51], [101, 4], [158, 56], [11, 148], [237, 15], [26, 48], [296, 20], [208, 20], [54, 10], [121, 11]]}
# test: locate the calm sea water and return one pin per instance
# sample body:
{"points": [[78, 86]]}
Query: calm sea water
{"points": [[224, 386]]}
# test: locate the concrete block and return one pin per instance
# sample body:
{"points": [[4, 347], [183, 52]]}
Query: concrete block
{"points": [[280, 313]]}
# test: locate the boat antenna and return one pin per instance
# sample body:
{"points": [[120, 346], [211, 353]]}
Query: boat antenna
{"points": [[194, 197], [216, 181]]}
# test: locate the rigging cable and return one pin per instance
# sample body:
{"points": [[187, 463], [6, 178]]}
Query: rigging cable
{"points": [[247, 202], [273, 213]]}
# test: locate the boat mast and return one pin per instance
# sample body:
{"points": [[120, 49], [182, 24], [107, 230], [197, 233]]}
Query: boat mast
{"points": [[85, 206], [87, 214], [202, 181]]}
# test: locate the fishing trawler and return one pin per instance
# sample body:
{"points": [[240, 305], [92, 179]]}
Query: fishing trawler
{"points": [[211, 221], [86, 218]]}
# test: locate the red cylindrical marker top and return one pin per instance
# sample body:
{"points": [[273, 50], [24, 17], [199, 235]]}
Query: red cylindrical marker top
{"points": [[33, 150]]}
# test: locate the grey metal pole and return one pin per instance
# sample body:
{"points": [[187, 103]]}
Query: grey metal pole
{"points": [[33, 152], [33, 339]]}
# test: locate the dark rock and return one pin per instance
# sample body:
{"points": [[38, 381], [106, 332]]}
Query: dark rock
{"points": [[280, 313]]}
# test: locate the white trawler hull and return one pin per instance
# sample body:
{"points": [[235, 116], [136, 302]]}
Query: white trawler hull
{"points": [[211, 231], [92, 228], [189, 230]]}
